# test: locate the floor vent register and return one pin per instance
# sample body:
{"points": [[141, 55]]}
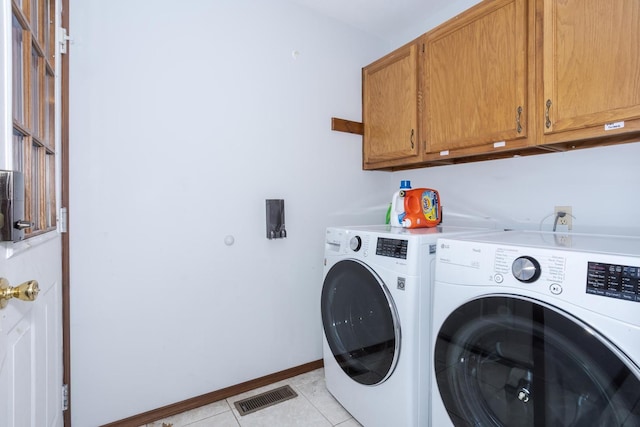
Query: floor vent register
{"points": [[264, 400]]}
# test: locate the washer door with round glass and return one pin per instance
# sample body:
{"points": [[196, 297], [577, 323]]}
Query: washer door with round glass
{"points": [[512, 361], [360, 322]]}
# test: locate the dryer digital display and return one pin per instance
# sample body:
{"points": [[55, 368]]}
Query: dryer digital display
{"points": [[394, 248], [614, 281]]}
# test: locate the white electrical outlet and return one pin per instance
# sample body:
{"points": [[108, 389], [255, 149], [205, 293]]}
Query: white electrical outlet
{"points": [[565, 220]]}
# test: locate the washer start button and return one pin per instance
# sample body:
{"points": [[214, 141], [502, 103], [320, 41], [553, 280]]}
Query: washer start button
{"points": [[555, 289]]}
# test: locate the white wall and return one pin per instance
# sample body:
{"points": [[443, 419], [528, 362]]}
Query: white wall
{"points": [[429, 19], [600, 184], [184, 119]]}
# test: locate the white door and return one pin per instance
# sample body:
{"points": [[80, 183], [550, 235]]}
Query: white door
{"points": [[31, 338], [30, 332]]}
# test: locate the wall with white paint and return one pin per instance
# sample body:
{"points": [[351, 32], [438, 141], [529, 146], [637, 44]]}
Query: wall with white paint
{"points": [[521, 193], [184, 119]]}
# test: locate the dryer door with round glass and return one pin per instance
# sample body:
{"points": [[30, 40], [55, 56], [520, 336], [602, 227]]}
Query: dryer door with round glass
{"points": [[360, 322], [513, 361]]}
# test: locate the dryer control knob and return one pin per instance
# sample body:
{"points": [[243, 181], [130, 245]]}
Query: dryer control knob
{"points": [[526, 269], [355, 243]]}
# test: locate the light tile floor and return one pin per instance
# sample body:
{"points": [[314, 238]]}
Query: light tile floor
{"points": [[314, 407]]}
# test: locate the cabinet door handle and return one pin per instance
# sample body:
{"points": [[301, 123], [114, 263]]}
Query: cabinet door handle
{"points": [[519, 111], [412, 143], [546, 114]]}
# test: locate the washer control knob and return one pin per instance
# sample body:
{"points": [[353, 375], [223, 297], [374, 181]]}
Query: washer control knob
{"points": [[355, 243], [526, 269]]}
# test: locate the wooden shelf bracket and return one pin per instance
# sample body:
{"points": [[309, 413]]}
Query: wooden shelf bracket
{"points": [[348, 126]]}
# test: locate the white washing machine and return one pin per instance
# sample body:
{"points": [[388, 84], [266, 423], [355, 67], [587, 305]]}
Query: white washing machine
{"points": [[375, 308], [536, 329]]}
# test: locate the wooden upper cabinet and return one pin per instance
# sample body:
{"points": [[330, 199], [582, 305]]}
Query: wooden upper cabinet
{"points": [[503, 78], [591, 71], [476, 78], [390, 109]]}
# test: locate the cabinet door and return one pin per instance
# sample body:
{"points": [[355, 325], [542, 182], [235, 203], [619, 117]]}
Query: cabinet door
{"points": [[390, 107], [591, 63], [476, 77]]}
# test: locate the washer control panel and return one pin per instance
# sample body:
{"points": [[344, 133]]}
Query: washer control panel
{"points": [[614, 281], [394, 248], [605, 283], [362, 244], [528, 268]]}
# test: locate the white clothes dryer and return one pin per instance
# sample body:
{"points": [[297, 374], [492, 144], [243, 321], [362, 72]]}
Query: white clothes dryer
{"points": [[375, 308], [536, 329]]}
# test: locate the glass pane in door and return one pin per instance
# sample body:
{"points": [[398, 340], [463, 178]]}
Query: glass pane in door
{"points": [[34, 18], [36, 64], [18, 151], [18, 70], [49, 110], [50, 188], [36, 191]]}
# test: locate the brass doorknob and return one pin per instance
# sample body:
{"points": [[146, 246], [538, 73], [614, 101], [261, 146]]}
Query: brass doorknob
{"points": [[27, 291]]}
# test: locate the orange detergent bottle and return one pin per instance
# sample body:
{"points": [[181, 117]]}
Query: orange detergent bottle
{"points": [[422, 208]]}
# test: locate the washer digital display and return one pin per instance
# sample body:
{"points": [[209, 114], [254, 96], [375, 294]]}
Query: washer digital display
{"points": [[614, 281], [394, 248]]}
